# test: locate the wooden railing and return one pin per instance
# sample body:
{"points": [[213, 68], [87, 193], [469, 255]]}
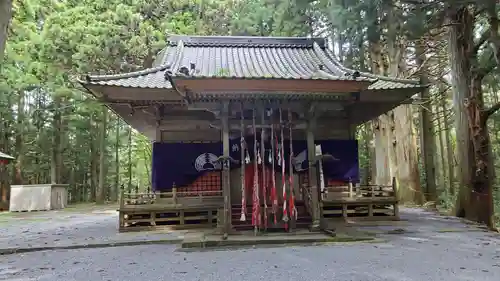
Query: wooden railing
{"points": [[173, 197], [364, 191], [368, 201]]}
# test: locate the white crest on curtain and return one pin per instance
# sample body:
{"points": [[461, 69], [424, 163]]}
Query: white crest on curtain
{"points": [[207, 162]]}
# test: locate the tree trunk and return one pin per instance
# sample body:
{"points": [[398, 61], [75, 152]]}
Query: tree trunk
{"points": [[442, 152], [102, 153], [369, 150], [450, 156], [129, 170], [406, 158], [18, 168], [117, 161], [395, 141], [384, 166], [38, 121], [55, 167], [94, 159], [481, 197], [460, 39], [5, 16], [475, 199], [428, 140], [5, 125]]}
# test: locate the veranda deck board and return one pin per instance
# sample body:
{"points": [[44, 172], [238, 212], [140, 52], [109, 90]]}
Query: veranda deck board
{"points": [[359, 200], [169, 207]]}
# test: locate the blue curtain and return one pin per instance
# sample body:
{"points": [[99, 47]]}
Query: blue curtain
{"points": [[183, 163]]}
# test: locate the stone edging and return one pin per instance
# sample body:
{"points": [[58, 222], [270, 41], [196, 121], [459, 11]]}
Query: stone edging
{"points": [[19, 250]]}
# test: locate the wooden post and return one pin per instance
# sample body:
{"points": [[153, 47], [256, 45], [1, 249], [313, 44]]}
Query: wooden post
{"points": [[226, 188], [210, 217], [350, 189], [121, 220], [181, 218], [174, 195], [122, 198], [396, 195], [152, 219], [313, 173]]}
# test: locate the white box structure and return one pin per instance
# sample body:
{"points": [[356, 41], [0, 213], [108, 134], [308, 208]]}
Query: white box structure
{"points": [[38, 197]]}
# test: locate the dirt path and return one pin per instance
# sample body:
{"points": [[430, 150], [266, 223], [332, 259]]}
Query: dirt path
{"points": [[425, 247], [74, 226]]}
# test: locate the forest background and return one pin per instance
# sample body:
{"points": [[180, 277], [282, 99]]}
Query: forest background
{"points": [[441, 148]]}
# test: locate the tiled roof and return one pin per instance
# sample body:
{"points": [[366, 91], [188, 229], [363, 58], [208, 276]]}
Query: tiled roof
{"points": [[381, 82], [148, 78], [384, 83], [5, 156], [198, 57], [254, 58]]}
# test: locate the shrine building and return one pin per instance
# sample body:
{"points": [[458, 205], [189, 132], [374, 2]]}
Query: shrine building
{"points": [[251, 133]]}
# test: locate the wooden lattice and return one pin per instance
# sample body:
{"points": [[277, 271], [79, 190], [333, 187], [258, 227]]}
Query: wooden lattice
{"points": [[210, 181]]}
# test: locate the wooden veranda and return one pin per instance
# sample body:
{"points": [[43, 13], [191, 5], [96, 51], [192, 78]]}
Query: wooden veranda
{"points": [[270, 92]]}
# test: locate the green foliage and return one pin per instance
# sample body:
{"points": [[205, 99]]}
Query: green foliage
{"points": [[46, 116], [51, 122]]}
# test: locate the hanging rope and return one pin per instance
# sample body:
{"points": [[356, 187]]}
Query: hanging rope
{"points": [[293, 210], [283, 176], [255, 206], [243, 165], [264, 182], [274, 198]]}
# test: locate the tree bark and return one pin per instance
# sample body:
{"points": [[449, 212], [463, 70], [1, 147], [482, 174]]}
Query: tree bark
{"points": [[18, 168], [5, 134], [383, 167], [94, 159], [117, 162], [102, 153], [475, 200], [395, 141], [427, 132], [55, 174], [450, 156], [441, 148], [129, 170], [369, 150], [5, 16]]}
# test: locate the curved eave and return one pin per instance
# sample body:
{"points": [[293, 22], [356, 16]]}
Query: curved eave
{"points": [[322, 77], [147, 78], [269, 85], [112, 93], [217, 97], [4, 156], [126, 95], [383, 82]]}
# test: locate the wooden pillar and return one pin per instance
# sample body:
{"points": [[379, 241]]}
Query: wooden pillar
{"points": [[313, 173], [226, 183], [395, 189], [158, 135], [159, 117], [351, 131]]}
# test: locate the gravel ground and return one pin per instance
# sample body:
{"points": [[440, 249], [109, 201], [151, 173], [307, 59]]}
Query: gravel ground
{"points": [[431, 248], [69, 227]]}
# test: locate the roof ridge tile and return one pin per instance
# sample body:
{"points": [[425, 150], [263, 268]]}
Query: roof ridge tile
{"points": [[246, 41]]}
